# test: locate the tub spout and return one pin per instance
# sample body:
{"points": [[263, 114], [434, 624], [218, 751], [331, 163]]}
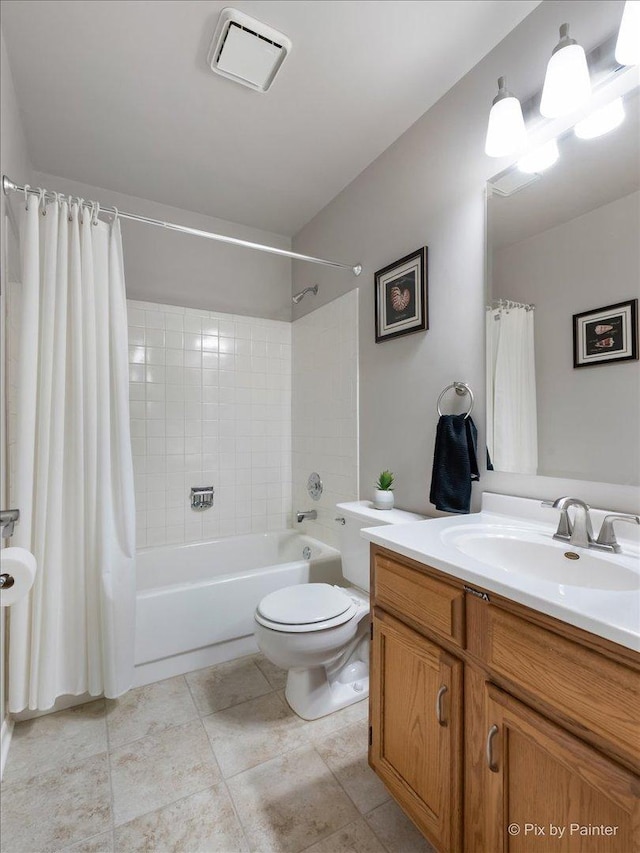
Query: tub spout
{"points": [[309, 513]]}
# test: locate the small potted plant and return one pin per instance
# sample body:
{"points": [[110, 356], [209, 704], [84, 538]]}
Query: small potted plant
{"points": [[383, 493]]}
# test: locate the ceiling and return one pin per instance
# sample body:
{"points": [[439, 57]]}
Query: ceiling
{"points": [[117, 94]]}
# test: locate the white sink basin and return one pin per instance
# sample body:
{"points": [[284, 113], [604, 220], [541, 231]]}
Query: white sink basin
{"points": [[508, 549], [522, 551]]}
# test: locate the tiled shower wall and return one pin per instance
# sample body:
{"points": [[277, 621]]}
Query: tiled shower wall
{"points": [[210, 405], [325, 411]]}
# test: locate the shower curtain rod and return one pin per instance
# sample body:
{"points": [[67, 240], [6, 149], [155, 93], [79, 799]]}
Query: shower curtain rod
{"points": [[509, 303], [10, 186]]}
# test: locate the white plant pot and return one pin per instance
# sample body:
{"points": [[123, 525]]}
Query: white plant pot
{"points": [[382, 499]]}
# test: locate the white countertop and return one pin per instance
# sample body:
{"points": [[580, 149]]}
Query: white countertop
{"points": [[612, 614]]}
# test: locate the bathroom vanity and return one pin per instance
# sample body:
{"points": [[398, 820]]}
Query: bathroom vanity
{"points": [[498, 726]]}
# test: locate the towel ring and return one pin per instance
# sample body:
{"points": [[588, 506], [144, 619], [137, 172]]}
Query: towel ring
{"points": [[461, 389]]}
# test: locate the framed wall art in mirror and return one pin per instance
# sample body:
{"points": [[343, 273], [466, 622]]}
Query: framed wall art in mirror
{"points": [[606, 335], [561, 243]]}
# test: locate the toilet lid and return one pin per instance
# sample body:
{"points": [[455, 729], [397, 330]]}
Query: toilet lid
{"points": [[304, 604]]}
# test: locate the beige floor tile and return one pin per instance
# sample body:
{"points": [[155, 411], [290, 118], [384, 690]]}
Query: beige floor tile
{"points": [[276, 677], [253, 732], [396, 831], [58, 808], [325, 726], [290, 802], [355, 838], [202, 823], [98, 844], [149, 710], [159, 769], [226, 684], [63, 738], [346, 754]]}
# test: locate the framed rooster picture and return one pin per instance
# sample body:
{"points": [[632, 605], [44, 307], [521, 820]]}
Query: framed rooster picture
{"points": [[402, 297]]}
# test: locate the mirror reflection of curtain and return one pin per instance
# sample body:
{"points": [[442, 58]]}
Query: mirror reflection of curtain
{"points": [[512, 425]]}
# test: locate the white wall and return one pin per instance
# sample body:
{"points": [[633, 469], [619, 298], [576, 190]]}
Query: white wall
{"points": [[210, 404], [178, 269], [583, 264], [14, 159], [325, 411], [428, 189]]}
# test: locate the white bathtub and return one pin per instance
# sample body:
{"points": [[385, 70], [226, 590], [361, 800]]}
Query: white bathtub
{"points": [[195, 603]]}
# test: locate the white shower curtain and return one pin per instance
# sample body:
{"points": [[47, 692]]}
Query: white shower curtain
{"points": [[512, 420], [74, 633]]}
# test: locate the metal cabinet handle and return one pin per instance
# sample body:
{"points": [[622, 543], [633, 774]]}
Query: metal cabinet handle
{"points": [[439, 696], [492, 765]]}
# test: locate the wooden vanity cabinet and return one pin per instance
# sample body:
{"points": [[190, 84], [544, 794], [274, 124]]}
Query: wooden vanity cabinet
{"points": [[416, 727], [485, 714], [548, 790]]}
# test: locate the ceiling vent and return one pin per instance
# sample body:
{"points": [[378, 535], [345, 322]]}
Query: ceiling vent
{"points": [[511, 181], [247, 51]]}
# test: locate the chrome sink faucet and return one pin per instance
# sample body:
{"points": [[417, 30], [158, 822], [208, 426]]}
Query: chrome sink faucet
{"points": [[580, 533]]}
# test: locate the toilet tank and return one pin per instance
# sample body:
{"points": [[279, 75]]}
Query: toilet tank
{"points": [[355, 549]]}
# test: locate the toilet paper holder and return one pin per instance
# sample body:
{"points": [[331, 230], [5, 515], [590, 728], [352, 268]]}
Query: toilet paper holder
{"points": [[8, 518]]}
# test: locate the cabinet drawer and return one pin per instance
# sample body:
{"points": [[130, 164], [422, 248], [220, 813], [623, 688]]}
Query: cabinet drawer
{"points": [[429, 603], [600, 695]]}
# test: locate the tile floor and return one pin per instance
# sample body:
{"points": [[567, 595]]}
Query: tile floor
{"points": [[211, 761]]}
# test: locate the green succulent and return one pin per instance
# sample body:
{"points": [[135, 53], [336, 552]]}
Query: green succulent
{"points": [[385, 481]]}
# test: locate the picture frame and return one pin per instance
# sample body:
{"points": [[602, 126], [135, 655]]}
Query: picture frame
{"points": [[606, 335], [401, 297]]}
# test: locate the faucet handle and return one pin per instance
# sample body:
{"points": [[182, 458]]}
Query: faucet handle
{"points": [[607, 536], [565, 528]]}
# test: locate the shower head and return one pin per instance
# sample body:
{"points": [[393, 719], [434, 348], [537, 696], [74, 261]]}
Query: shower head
{"points": [[300, 296]]}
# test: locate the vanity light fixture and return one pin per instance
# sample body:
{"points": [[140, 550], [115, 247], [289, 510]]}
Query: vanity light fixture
{"points": [[506, 133], [567, 85], [539, 159], [628, 44], [601, 121]]}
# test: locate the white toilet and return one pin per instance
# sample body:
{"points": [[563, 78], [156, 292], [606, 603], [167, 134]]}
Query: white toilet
{"points": [[320, 633]]}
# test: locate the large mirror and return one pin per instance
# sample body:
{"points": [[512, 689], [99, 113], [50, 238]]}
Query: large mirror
{"points": [[563, 379]]}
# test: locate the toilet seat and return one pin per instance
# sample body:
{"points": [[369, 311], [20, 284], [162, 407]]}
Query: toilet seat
{"points": [[306, 607]]}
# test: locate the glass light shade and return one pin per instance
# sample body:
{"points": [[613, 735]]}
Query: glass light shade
{"points": [[628, 44], [601, 121], [540, 159], [506, 133], [567, 85]]}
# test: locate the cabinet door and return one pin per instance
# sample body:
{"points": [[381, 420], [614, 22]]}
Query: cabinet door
{"points": [[546, 790], [416, 718]]}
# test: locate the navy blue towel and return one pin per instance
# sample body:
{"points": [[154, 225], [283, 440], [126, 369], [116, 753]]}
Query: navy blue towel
{"points": [[455, 464]]}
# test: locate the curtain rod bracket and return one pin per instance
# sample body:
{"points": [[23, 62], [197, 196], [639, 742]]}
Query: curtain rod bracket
{"points": [[7, 185]]}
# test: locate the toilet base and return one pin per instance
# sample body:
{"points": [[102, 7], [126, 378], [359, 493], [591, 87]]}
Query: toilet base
{"points": [[314, 693]]}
